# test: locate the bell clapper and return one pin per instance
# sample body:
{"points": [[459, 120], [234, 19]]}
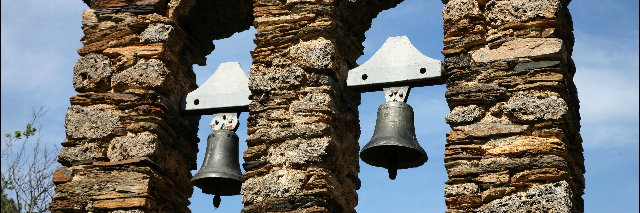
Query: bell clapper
{"points": [[392, 162], [392, 173], [216, 201], [216, 197]]}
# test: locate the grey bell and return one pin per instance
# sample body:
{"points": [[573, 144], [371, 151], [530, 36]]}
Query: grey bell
{"points": [[393, 144], [220, 173]]}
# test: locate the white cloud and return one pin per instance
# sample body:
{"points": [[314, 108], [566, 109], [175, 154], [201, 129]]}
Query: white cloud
{"points": [[607, 81], [39, 42]]}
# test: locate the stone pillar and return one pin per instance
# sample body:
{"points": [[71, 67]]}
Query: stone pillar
{"points": [[129, 147], [514, 144], [303, 122]]}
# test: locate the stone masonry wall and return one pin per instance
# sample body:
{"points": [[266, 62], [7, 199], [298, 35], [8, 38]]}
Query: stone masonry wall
{"points": [[129, 148], [514, 144], [303, 122]]}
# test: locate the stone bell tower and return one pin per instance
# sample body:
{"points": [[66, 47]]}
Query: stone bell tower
{"points": [[514, 144]]}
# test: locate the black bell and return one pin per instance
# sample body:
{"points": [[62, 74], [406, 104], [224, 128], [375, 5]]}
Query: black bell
{"points": [[393, 144], [220, 173]]}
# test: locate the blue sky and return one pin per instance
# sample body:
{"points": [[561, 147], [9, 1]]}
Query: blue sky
{"points": [[40, 39]]}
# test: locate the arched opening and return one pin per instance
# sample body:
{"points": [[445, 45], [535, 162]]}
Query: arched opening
{"points": [[415, 189], [234, 48]]}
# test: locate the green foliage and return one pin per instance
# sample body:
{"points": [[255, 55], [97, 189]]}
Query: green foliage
{"points": [[27, 167], [29, 131], [8, 204]]}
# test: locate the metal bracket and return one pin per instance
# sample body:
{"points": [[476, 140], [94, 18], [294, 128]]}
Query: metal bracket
{"points": [[396, 93], [228, 121], [227, 90], [396, 63]]}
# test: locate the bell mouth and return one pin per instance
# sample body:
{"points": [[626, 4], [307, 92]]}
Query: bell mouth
{"points": [[406, 157], [218, 185]]}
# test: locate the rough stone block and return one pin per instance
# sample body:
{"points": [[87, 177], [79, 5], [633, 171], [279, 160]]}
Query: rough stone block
{"points": [[464, 114], [524, 145], [494, 178], [460, 189], [461, 60], [255, 153], [312, 117], [276, 184], [535, 65], [92, 73], [464, 201], [62, 175], [99, 4], [157, 33], [495, 193], [108, 27], [464, 42], [461, 168], [124, 203], [454, 210], [75, 205], [128, 211], [489, 129], [133, 146], [478, 93], [100, 46], [89, 18], [464, 27], [314, 54], [263, 79], [526, 107], [104, 185], [310, 1], [90, 98], [553, 197], [154, 51], [313, 102], [82, 153], [298, 152], [518, 11], [92, 122], [455, 10], [466, 151], [150, 73], [548, 79], [278, 134], [262, 22], [261, 168], [548, 48], [544, 174]]}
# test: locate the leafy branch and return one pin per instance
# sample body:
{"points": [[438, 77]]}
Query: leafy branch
{"points": [[27, 168]]}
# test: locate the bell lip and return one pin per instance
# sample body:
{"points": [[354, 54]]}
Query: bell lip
{"points": [[224, 175], [369, 155], [228, 186]]}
